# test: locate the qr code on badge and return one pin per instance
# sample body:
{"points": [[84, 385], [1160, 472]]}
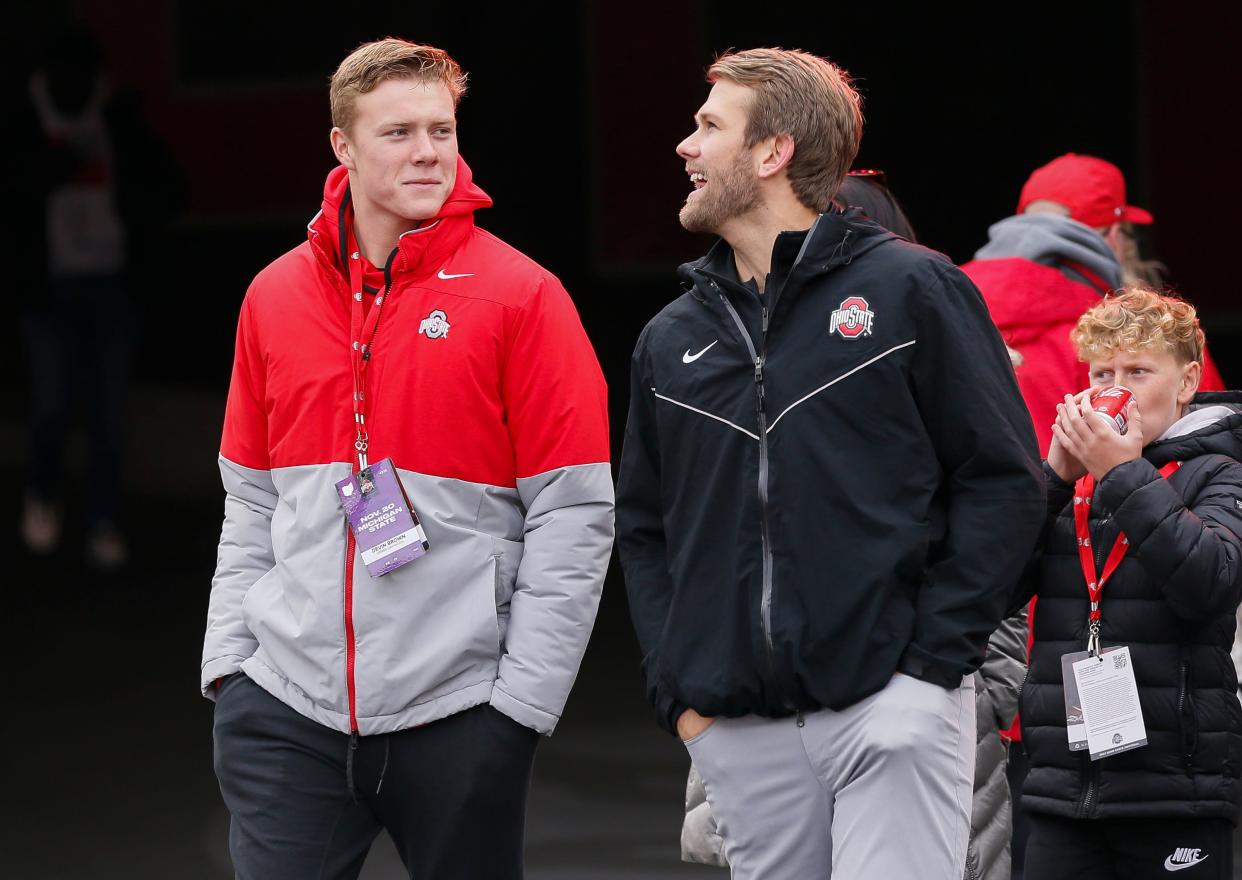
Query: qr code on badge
{"points": [[1119, 661]]}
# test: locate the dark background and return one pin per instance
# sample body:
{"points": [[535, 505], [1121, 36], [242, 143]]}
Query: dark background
{"points": [[570, 124]]}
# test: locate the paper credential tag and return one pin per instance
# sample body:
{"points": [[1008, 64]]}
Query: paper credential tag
{"points": [[1109, 699], [384, 523]]}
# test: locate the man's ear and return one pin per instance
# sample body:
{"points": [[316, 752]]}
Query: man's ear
{"points": [[777, 153], [341, 148], [1116, 241]]}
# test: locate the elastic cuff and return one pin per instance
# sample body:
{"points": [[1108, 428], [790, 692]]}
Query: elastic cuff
{"points": [[220, 667], [528, 716], [916, 664], [668, 710]]}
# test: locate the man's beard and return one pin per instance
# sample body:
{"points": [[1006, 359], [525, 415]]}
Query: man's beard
{"points": [[727, 194]]}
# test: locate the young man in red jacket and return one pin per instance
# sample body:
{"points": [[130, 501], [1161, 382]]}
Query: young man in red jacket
{"points": [[418, 514]]}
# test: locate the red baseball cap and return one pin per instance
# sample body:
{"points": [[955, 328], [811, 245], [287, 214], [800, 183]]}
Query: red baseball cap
{"points": [[1092, 189]]}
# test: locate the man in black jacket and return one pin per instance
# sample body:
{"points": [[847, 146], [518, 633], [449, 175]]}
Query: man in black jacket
{"points": [[829, 486]]}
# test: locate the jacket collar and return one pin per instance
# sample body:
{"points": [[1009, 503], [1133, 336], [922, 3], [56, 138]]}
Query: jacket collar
{"points": [[420, 251], [1222, 435], [836, 238]]}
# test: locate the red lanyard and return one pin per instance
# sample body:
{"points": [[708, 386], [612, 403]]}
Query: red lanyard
{"points": [[362, 331], [1095, 586]]}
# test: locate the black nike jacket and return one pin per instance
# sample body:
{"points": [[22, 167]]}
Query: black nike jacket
{"points": [[824, 484]]}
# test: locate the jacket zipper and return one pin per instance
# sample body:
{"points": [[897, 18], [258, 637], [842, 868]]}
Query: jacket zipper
{"points": [[759, 358], [1089, 769], [1088, 796], [349, 631], [351, 648], [765, 536]]}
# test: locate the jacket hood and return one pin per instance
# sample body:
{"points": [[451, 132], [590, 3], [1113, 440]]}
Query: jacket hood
{"points": [[421, 248], [835, 238], [1212, 427], [1052, 240]]}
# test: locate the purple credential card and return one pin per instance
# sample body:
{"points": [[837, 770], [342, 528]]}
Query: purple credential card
{"points": [[384, 524]]}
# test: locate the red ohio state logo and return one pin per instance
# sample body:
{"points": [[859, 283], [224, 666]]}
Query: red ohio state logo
{"points": [[852, 319]]}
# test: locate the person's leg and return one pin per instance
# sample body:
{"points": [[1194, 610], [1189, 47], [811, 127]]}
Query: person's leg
{"points": [[283, 778], [106, 382], [1068, 849], [1194, 849], [772, 809], [452, 793], [47, 333], [903, 772]]}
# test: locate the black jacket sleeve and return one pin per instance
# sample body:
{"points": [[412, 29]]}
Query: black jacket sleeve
{"points": [[1060, 493], [1195, 553], [992, 484], [640, 535]]}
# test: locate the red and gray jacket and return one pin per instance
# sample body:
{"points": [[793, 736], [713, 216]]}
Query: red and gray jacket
{"points": [[484, 390]]}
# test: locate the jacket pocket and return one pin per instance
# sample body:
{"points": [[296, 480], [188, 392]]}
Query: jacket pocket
{"points": [[506, 557], [1187, 723]]}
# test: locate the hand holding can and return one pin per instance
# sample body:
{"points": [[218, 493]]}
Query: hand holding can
{"points": [[1112, 404]]}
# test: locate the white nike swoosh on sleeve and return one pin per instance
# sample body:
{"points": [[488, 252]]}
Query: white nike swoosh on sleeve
{"points": [[441, 274]]}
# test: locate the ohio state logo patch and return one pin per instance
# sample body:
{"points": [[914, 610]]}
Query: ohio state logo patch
{"points": [[435, 325], [853, 318]]}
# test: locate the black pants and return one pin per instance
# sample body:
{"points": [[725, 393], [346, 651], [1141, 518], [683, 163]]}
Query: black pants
{"points": [[78, 341], [1129, 849], [307, 802]]}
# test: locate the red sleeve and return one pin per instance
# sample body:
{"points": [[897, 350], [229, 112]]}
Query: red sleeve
{"points": [[245, 416], [556, 401]]}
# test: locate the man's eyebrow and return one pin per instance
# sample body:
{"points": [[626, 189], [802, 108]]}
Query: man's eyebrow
{"points": [[403, 124]]}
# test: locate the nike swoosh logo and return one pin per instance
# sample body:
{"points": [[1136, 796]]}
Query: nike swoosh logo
{"points": [[441, 274], [1170, 865], [689, 358]]}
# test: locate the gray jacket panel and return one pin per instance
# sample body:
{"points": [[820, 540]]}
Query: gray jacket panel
{"points": [[509, 590], [244, 556]]}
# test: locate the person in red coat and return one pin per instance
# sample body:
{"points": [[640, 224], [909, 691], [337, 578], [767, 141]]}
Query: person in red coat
{"points": [[1050, 262]]}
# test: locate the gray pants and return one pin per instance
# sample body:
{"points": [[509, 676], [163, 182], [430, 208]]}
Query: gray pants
{"points": [[880, 789]]}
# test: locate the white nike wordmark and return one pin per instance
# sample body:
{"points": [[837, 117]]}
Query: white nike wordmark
{"points": [[441, 274], [689, 358], [1184, 860]]}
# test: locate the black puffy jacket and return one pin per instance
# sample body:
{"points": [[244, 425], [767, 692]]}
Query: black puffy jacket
{"points": [[1172, 600], [822, 484]]}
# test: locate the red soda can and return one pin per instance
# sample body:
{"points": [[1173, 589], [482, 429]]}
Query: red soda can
{"points": [[1110, 405]]}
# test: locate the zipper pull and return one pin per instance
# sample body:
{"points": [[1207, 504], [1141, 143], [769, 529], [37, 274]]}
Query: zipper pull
{"points": [[759, 385], [765, 319]]}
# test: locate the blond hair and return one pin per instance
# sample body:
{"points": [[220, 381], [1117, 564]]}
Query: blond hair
{"points": [[391, 58], [808, 98], [1136, 318]]}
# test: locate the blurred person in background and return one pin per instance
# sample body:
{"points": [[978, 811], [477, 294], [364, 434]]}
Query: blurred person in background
{"points": [[95, 186], [1051, 261]]}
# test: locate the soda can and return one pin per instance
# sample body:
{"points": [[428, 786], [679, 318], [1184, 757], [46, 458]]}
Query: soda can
{"points": [[1110, 405]]}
